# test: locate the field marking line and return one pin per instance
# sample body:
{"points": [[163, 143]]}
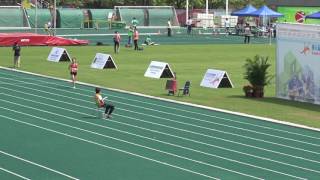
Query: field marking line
{"points": [[13, 173], [169, 100], [108, 147], [198, 151], [211, 129], [139, 145], [201, 134], [126, 132], [36, 164]]}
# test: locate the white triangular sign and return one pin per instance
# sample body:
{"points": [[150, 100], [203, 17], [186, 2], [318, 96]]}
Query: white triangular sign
{"points": [[103, 61], [58, 54], [158, 70], [216, 79]]}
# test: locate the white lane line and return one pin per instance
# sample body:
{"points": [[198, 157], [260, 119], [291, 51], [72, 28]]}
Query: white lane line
{"points": [[197, 119], [166, 100], [109, 147], [146, 147], [228, 159], [66, 109], [13, 173], [36, 164], [179, 109], [210, 129], [201, 134]]}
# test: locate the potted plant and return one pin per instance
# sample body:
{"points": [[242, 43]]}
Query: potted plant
{"points": [[256, 72], [248, 90]]}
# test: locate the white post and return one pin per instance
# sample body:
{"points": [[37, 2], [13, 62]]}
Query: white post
{"points": [[187, 10], [207, 7], [227, 7], [36, 18], [54, 17]]}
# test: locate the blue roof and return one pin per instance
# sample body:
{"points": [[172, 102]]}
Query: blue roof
{"points": [[265, 11], [244, 11], [314, 15]]}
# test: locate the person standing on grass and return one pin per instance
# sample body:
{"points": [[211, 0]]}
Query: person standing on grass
{"points": [[227, 26], [109, 107], [134, 22], [130, 34], [169, 27], [189, 25], [116, 40], [73, 67], [16, 58], [247, 34], [135, 39]]}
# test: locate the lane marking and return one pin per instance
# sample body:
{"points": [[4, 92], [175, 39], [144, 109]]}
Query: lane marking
{"points": [[211, 129], [108, 147], [201, 134], [146, 147], [173, 101], [36, 164], [268, 159], [13, 173]]}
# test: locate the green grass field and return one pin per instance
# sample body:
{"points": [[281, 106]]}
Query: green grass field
{"points": [[189, 62]]}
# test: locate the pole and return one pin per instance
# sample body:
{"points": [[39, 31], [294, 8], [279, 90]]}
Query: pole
{"points": [[187, 10], [227, 7], [36, 16], [207, 7], [54, 17]]}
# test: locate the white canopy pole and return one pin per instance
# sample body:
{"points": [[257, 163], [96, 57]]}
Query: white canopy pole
{"points": [[227, 7], [54, 17], [187, 10], [207, 7], [36, 17]]}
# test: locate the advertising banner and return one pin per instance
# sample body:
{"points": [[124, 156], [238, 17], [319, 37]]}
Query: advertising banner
{"points": [[158, 70], [298, 62], [103, 61], [216, 79], [58, 54], [297, 14]]}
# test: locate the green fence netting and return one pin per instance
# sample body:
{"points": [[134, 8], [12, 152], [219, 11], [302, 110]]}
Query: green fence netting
{"points": [[159, 17], [13, 17], [70, 18], [43, 17], [126, 16], [148, 15], [100, 17]]}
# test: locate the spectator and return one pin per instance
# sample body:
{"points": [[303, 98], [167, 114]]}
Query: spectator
{"points": [[189, 25], [130, 34], [16, 60], [169, 27], [227, 26], [247, 34], [148, 41], [135, 39], [238, 29], [116, 40], [134, 22]]}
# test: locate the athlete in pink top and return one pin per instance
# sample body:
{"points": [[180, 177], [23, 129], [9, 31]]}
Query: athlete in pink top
{"points": [[73, 67], [116, 39]]}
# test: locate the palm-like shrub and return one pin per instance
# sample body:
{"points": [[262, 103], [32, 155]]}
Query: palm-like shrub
{"points": [[256, 72]]}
